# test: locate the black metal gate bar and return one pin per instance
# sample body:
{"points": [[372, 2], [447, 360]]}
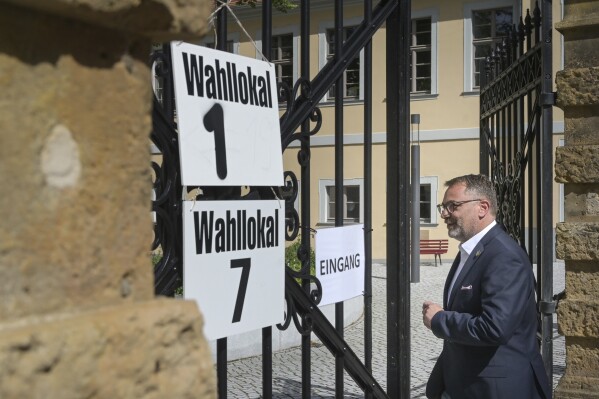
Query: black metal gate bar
{"points": [[304, 159], [167, 184], [547, 101], [516, 127], [331, 339], [266, 331], [221, 343], [368, 197], [339, 183], [398, 203]]}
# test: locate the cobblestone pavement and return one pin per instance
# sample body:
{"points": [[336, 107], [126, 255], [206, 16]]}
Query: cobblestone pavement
{"points": [[244, 375]]}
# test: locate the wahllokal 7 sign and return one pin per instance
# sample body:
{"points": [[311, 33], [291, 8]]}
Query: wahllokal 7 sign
{"points": [[234, 263], [228, 118]]}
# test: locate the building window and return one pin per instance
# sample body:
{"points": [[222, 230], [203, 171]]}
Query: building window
{"points": [[486, 24], [423, 53], [489, 27], [428, 200], [425, 203], [353, 199], [353, 76], [281, 55], [421, 56]]}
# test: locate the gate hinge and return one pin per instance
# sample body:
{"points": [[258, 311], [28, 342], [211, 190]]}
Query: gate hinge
{"points": [[549, 307], [549, 98]]}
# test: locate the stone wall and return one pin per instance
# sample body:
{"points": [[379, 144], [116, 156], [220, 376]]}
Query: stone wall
{"points": [[78, 317], [577, 166]]}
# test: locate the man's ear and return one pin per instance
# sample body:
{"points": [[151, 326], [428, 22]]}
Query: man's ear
{"points": [[484, 208]]}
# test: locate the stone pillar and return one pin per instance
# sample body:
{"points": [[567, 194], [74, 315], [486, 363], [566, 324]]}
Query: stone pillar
{"points": [[577, 166], [78, 317]]}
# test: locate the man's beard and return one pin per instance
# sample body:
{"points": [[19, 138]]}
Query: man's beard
{"points": [[456, 231]]}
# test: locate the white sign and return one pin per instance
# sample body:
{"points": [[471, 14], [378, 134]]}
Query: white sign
{"points": [[234, 264], [228, 118], [340, 262]]}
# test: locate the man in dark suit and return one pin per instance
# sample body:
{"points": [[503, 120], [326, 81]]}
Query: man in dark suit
{"points": [[488, 320]]}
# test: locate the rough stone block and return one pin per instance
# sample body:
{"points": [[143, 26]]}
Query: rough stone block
{"points": [[577, 164], [160, 20], [577, 87], [146, 350], [578, 318], [582, 203], [77, 316], [573, 387], [583, 357], [577, 241], [579, 13], [581, 127], [75, 213], [582, 280], [576, 388]]}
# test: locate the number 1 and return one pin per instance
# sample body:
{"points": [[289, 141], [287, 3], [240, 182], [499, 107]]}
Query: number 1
{"points": [[245, 264], [214, 121]]}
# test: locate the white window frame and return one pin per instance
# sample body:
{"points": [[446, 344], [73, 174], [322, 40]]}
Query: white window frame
{"points": [[433, 14], [294, 30], [433, 181], [322, 54], [469, 47], [323, 198]]}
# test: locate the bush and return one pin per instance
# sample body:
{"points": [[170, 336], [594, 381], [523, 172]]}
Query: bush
{"points": [[293, 261]]}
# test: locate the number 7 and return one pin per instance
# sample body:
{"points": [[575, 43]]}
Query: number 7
{"points": [[245, 264]]}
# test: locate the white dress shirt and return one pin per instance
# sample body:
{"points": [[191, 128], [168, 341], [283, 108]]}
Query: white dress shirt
{"points": [[466, 249]]}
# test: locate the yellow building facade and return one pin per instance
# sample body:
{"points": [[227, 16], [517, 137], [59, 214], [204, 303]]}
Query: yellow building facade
{"points": [[448, 37]]}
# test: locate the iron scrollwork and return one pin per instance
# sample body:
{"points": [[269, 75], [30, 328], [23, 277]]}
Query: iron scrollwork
{"points": [[509, 195], [166, 183], [301, 92]]}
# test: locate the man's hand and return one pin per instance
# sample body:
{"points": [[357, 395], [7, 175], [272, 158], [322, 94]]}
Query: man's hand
{"points": [[429, 309]]}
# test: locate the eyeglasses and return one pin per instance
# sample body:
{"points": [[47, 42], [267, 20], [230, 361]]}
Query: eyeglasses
{"points": [[451, 206]]}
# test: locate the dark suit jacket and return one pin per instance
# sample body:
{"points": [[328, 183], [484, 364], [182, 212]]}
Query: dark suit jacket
{"points": [[489, 327]]}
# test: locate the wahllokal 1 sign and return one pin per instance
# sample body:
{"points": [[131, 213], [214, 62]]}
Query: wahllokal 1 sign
{"points": [[234, 264], [228, 118]]}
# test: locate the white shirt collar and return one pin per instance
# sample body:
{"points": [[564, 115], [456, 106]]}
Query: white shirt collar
{"points": [[469, 245]]}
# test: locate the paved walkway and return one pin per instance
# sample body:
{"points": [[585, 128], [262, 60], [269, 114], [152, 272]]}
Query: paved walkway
{"points": [[245, 375]]}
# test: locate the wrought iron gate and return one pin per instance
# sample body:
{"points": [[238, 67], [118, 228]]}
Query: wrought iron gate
{"points": [[516, 131], [296, 125]]}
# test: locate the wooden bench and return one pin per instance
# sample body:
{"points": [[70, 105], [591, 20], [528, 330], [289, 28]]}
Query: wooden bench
{"points": [[434, 247]]}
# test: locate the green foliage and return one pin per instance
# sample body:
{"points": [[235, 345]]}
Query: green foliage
{"points": [[292, 260], [281, 5], [156, 256]]}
